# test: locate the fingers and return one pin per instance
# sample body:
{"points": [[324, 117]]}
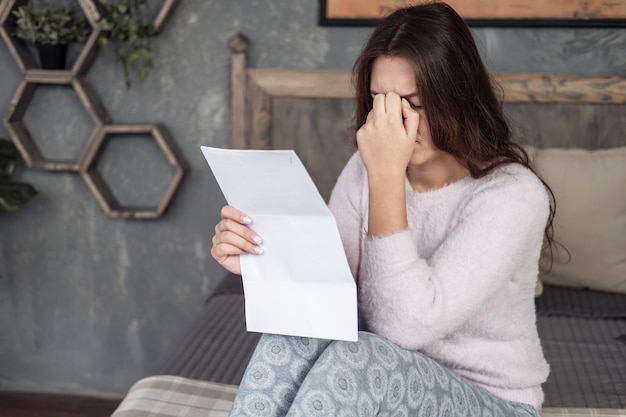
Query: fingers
{"points": [[228, 243], [233, 229], [391, 109], [243, 231], [378, 107], [393, 106], [233, 236], [389, 104], [230, 212], [411, 119]]}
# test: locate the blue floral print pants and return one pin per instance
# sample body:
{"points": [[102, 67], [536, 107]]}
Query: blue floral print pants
{"points": [[298, 376]]}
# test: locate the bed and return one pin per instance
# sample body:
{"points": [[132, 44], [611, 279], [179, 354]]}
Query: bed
{"points": [[573, 126]]}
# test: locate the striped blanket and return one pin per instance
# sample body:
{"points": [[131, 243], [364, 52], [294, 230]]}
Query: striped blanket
{"points": [[172, 396]]}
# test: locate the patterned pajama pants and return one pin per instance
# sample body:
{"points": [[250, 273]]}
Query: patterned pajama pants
{"points": [[297, 376]]}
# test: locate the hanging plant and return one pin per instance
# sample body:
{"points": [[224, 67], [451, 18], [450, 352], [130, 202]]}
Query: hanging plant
{"points": [[129, 30], [50, 28], [13, 195], [48, 24]]}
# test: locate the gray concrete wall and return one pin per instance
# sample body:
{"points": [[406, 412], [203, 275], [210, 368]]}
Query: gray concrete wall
{"points": [[88, 303]]}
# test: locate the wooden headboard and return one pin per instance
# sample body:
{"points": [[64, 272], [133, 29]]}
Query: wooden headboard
{"points": [[311, 111]]}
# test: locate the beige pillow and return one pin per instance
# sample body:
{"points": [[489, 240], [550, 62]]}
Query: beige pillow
{"points": [[590, 191]]}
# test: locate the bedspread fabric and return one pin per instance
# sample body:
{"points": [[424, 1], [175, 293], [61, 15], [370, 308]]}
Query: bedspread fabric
{"points": [[580, 332]]}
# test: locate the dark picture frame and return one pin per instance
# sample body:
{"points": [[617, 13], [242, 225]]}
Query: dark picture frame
{"points": [[487, 13]]}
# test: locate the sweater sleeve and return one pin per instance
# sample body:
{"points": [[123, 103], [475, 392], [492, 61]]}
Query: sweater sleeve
{"points": [[414, 301], [344, 203]]}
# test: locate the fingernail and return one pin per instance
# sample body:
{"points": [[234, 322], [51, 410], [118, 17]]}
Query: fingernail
{"points": [[405, 103], [258, 250], [246, 220], [257, 239]]}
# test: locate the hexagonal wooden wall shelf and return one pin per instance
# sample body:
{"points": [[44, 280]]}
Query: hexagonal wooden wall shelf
{"points": [[20, 52], [20, 135], [164, 14], [75, 78], [101, 190]]}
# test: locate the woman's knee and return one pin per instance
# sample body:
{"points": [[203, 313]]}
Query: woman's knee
{"points": [[352, 354]]}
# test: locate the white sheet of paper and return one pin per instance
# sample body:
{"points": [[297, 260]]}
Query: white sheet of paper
{"points": [[302, 284]]}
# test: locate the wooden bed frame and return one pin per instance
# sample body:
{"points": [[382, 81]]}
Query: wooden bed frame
{"points": [[310, 111]]}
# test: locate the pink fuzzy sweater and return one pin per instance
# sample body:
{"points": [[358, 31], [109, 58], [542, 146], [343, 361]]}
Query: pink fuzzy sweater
{"points": [[458, 284]]}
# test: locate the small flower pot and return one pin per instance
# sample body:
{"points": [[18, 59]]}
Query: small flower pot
{"points": [[52, 57]]}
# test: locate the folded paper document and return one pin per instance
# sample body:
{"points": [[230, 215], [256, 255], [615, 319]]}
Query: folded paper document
{"points": [[301, 285]]}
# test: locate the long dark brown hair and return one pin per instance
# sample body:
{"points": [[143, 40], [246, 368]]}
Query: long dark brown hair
{"points": [[454, 86]]}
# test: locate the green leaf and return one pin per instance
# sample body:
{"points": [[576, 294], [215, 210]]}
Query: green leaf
{"points": [[14, 195], [129, 29], [49, 24], [8, 158], [7, 167]]}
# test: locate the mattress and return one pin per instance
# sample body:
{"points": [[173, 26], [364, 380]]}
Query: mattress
{"points": [[217, 346], [583, 335]]}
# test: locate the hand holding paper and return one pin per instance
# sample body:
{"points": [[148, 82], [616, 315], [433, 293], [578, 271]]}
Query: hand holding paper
{"points": [[302, 284]]}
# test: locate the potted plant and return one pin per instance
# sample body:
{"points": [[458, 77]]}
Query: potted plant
{"points": [[50, 28], [13, 195], [129, 30]]}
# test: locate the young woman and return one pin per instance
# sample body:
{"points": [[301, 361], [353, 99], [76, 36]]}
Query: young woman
{"points": [[442, 221]]}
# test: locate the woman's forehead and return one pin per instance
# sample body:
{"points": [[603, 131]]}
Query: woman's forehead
{"points": [[393, 74]]}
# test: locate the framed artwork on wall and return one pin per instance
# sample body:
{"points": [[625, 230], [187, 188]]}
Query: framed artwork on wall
{"points": [[496, 13]]}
